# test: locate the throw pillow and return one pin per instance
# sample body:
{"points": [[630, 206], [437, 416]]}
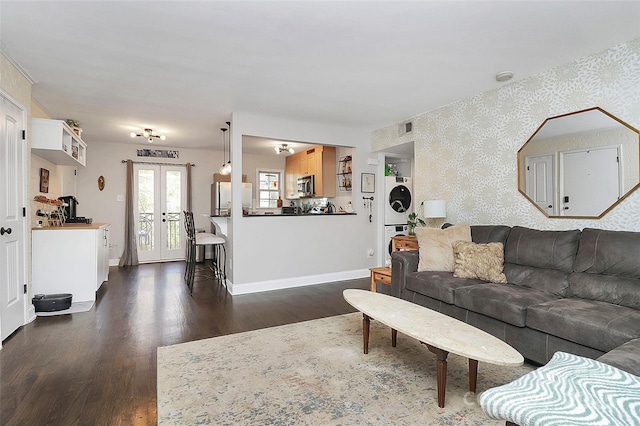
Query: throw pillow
{"points": [[482, 261], [435, 246]]}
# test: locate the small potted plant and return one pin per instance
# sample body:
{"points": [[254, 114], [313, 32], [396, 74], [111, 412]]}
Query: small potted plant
{"points": [[75, 126], [415, 219]]}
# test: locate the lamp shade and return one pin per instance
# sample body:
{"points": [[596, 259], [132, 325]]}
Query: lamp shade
{"points": [[435, 209]]}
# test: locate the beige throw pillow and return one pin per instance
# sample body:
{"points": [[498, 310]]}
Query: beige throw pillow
{"points": [[435, 246], [482, 261]]}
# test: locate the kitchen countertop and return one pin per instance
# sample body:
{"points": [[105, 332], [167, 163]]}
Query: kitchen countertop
{"points": [[299, 215], [68, 226]]}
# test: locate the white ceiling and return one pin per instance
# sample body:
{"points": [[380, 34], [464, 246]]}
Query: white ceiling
{"points": [[183, 67]]}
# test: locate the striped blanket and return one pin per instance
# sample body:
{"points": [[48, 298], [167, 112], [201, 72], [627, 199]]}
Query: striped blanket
{"points": [[569, 390]]}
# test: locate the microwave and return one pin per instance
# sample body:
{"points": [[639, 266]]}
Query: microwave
{"points": [[306, 186]]}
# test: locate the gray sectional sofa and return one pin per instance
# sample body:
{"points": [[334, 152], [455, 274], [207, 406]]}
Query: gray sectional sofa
{"points": [[572, 291]]}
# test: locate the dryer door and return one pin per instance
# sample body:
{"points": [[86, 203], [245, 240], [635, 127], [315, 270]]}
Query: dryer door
{"points": [[400, 199]]}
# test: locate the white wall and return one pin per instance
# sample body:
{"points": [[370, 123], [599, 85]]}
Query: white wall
{"points": [[277, 252], [466, 152], [106, 160]]}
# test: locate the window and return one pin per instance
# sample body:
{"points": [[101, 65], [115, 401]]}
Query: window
{"points": [[269, 188]]}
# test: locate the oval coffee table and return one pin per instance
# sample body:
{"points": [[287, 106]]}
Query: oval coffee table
{"points": [[440, 333]]}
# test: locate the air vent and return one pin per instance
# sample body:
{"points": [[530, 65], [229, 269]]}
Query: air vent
{"points": [[406, 127]]}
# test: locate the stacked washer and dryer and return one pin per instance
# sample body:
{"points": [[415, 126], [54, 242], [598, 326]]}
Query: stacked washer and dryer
{"points": [[397, 206]]}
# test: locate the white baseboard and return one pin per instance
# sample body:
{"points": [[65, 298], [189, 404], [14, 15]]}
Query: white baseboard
{"points": [[31, 313], [280, 284]]}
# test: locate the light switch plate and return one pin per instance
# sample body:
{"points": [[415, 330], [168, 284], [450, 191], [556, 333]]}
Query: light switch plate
{"points": [[119, 197]]}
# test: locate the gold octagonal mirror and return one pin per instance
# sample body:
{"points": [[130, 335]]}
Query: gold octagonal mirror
{"points": [[580, 165]]}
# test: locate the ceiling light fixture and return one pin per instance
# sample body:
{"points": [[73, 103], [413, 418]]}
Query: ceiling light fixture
{"points": [[283, 148], [504, 76], [148, 135]]}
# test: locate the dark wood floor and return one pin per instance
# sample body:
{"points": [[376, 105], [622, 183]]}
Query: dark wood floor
{"points": [[99, 367]]}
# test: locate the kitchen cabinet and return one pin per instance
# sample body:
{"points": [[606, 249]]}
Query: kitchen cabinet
{"points": [[73, 258], [308, 162], [319, 161], [54, 140], [291, 174], [325, 160]]}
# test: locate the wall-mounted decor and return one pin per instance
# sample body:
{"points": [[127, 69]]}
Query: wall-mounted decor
{"points": [[44, 180], [580, 164], [158, 153], [101, 183], [368, 182]]}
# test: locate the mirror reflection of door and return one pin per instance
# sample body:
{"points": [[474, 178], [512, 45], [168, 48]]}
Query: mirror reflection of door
{"points": [[591, 180], [160, 198], [540, 182]]}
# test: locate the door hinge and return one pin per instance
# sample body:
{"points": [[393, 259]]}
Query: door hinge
{"points": [[25, 289], [24, 212], [24, 135]]}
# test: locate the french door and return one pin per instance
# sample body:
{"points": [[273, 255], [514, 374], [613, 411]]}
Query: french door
{"points": [[159, 200], [12, 220]]}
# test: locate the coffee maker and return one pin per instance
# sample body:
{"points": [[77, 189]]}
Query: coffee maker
{"points": [[70, 205]]}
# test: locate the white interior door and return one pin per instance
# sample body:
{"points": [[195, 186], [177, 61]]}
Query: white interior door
{"points": [[540, 182], [160, 198], [12, 220], [590, 181]]}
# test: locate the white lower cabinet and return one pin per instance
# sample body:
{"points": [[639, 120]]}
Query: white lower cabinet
{"points": [[71, 259]]}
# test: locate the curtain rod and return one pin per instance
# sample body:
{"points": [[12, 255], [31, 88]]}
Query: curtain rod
{"points": [[159, 164]]}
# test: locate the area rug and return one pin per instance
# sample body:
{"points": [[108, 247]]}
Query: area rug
{"points": [[315, 373]]}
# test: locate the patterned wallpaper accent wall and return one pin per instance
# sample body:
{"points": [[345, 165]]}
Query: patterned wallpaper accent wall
{"points": [[466, 152], [14, 83]]}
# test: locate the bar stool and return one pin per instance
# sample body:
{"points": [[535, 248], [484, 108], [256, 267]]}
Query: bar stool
{"points": [[195, 239]]}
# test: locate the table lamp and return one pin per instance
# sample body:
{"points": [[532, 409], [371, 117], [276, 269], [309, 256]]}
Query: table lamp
{"points": [[435, 209]]}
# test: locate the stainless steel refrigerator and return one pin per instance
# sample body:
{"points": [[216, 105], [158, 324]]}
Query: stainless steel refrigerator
{"points": [[221, 198]]}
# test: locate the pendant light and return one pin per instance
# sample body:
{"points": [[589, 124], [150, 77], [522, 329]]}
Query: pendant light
{"points": [[223, 169], [226, 168]]}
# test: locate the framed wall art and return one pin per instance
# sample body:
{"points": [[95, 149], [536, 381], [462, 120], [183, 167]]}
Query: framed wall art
{"points": [[367, 183], [44, 180]]}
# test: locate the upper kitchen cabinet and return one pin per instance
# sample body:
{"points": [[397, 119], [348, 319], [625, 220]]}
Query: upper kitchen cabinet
{"points": [[291, 175], [319, 161], [54, 140], [325, 164]]}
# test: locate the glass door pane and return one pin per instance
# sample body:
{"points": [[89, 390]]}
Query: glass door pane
{"points": [[173, 207], [146, 210]]}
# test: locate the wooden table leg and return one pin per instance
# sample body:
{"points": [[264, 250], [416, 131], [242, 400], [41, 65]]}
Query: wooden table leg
{"points": [[441, 377], [473, 374], [366, 322], [394, 337]]}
